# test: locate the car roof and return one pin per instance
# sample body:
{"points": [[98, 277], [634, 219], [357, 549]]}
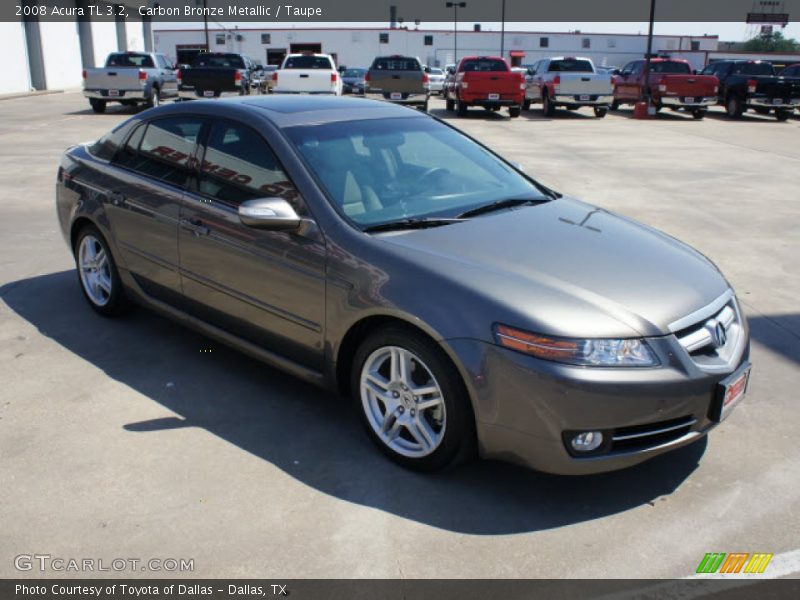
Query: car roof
{"points": [[291, 110]]}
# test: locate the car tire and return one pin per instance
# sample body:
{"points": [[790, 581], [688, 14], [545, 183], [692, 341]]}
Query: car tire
{"points": [[154, 99], [514, 111], [614, 106], [98, 275], [438, 436], [449, 105], [698, 114], [782, 114], [600, 112], [98, 106], [526, 105], [461, 108], [547, 105], [733, 107], [424, 107]]}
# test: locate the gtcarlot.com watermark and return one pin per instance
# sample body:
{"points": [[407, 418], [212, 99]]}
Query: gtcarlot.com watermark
{"points": [[45, 563]]}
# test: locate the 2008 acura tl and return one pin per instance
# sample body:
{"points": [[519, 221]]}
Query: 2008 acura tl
{"points": [[373, 249]]}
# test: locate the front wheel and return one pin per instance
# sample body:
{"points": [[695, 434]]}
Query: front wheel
{"points": [[154, 99], [600, 111], [98, 275], [547, 106], [412, 400]]}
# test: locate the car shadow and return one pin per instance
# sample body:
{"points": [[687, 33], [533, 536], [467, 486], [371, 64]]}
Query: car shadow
{"points": [[779, 333], [747, 117], [314, 436], [674, 116], [472, 113], [535, 114]]}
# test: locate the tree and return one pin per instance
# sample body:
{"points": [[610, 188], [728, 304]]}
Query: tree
{"points": [[772, 42]]}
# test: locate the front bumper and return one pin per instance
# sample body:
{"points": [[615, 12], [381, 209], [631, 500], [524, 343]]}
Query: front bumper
{"points": [[764, 102], [525, 408], [139, 94], [575, 100], [683, 102]]}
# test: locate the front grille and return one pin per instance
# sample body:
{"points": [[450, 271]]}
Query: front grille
{"points": [[639, 437], [713, 340]]}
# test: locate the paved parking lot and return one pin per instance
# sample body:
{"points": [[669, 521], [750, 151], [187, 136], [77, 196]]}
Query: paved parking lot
{"points": [[138, 438]]}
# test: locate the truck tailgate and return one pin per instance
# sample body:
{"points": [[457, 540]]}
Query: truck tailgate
{"points": [[113, 78], [686, 85], [492, 82], [407, 82], [778, 87], [210, 79], [584, 83], [304, 80]]}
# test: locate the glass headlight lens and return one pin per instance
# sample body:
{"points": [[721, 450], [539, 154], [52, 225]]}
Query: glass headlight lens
{"points": [[587, 352]]}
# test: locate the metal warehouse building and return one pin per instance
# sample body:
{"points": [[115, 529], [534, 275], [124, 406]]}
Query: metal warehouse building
{"points": [[356, 47]]}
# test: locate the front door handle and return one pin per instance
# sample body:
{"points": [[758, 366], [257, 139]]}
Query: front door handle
{"points": [[195, 226], [116, 198]]}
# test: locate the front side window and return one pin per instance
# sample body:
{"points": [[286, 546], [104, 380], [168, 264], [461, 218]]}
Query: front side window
{"points": [[378, 171], [163, 149], [760, 68], [239, 165]]}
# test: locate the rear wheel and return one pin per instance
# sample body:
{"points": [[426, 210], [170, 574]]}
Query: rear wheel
{"points": [[412, 400], [600, 111], [547, 105], [98, 106], [461, 108], [615, 105], [698, 114], [424, 107], [526, 105], [154, 99], [782, 114], [734, 107], [98, 275], [514, 111], [448, 103]]}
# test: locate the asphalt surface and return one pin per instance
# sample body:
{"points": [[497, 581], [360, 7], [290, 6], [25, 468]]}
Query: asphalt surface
{"points": [[136, 438]]}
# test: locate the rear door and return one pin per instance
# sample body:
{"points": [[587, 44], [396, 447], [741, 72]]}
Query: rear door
{"points": [[629, 84], [151, 171], [267, 287]]}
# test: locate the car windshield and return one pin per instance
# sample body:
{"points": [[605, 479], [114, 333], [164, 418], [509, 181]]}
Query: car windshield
{"points": [[382, 170], [129, 60], [670, 67], [225, 61], [354, 72], [753, 69], [308, 62], [570, 65]]}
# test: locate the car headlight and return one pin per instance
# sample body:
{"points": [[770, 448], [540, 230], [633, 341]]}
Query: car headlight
{"points": [[584, 352]]}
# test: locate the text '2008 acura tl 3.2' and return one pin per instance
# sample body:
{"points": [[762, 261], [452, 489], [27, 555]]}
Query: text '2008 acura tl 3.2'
{"points": [[466, 308]]}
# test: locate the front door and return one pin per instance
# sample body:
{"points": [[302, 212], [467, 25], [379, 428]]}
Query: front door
{"points": [[265, 286]]}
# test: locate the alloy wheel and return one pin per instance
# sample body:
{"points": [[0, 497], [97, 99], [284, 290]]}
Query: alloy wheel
{"points": [[95, 270]]}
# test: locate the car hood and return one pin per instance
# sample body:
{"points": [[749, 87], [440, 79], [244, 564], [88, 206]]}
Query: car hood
{"points": [[569, 268]]}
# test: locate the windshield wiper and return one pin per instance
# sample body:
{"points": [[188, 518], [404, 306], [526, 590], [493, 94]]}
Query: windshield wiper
{"points": [[499, 205], [413, 223]]}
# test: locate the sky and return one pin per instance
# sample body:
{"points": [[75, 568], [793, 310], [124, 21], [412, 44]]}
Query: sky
{"points": [[725, 31]]}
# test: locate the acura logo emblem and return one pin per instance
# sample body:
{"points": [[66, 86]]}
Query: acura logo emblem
{"points": [[718, 334]]}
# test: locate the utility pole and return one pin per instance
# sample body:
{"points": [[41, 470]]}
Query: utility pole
{"points": [[648, 95], [455, 6], [503, 29]]}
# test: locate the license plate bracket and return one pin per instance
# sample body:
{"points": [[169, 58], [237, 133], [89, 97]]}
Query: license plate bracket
{"points": [[777, 100], [113, 93], [396, 96], [494, 96], [690, 100], [730, 392], [208, 93], [585, 97]]}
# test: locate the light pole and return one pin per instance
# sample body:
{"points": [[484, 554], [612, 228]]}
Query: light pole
{"points": [[503, 28], [648, 95], [455, 6]]}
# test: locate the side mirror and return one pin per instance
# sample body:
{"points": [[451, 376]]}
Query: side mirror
{"points": [[269, 213]]}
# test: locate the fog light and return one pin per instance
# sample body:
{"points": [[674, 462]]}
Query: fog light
{"points": [[587, 441]]}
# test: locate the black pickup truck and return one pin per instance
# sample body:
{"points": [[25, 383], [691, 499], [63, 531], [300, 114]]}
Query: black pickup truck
{"points": [[753, 84], [215, 74]]}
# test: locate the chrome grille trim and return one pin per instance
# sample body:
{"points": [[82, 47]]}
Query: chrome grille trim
{"points": [[701, 314], [643, 434]]}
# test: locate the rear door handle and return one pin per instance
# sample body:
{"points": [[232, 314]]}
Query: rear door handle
{"points": [[116, 198]]}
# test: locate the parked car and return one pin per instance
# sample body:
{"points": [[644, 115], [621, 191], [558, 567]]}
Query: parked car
{"points": [[215, 75], [746, 84], [568, 81], [608, 70], [406, 265], [485, 81], [307, 73], [436, 78], [790, 71], [130, 78], [398, 79], [353, 81], [671, 83]]}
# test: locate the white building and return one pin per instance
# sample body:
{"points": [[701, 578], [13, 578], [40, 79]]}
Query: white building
{"points": [[356, 47], [42, 55]]}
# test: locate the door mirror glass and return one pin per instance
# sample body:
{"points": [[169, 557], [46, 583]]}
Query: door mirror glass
{"points": [[269, 213]]}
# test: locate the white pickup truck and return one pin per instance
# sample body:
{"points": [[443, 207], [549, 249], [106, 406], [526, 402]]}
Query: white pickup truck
{"points": [[130, 78], [570, 82], [307, 74]]}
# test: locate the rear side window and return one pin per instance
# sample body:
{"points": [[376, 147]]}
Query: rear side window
{"points": [[753, 69], [395, 63], [162, 150], [129, 60], [484, 65], [239, 165], [108, 145], [670, 67], [308, 62], [570, 65]]}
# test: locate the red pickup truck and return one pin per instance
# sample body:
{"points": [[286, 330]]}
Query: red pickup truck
{"points": [[672, 84], [485, 81]]}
